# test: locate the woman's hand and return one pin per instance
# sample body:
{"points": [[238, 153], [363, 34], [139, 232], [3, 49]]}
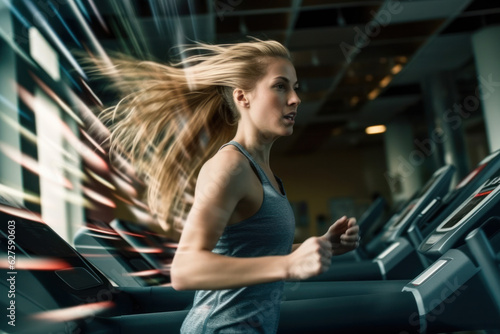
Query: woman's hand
{"points": [[311, 258], [343, 235]]}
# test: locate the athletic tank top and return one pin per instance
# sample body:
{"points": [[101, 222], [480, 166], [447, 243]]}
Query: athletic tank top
{"points": [[256, 308]]}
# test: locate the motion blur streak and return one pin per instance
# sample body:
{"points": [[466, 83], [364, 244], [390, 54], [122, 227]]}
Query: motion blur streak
{"points": [[39, 18], [98, 197], [145, 273], [146, 250], [23, 263], [57, 99], [73, 313], [25, 214], [33, 166], [90, 157]]}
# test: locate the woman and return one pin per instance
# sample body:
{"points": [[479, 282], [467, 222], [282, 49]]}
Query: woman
{"points": [[237, 228]]}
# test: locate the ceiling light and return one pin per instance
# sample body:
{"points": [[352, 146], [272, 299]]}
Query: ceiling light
{"points": [[374, 93], [372, 130], [396, 69], [385, 81], [403, 59]]}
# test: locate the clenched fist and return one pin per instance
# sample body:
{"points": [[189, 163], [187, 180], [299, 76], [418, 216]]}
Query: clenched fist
{"points": [[311, 258], [343, 235]]}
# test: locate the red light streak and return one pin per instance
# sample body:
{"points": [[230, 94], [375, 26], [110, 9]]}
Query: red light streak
{"points": [[23, 263], [98, 197], [21, 213], [146, 250], [74, 312], [93, 142], [145, 273], [483, 193]]}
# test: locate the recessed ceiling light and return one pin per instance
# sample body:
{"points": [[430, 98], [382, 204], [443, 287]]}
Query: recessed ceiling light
{"points": [[375, 129], [396, 69], [374, 93], [385, 81]]}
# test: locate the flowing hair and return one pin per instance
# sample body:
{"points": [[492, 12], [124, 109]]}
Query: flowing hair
{"points": [[173, 118]]}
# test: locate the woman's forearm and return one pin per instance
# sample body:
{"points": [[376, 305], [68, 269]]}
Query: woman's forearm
{"points": [[204, 270]]}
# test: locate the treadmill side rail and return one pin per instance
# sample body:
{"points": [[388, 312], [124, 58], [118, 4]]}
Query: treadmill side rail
{"points": [[393, 255], [440, 281]]}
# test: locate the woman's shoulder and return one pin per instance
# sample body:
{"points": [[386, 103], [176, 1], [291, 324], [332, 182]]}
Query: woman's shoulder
{"points": [[228, 161]]}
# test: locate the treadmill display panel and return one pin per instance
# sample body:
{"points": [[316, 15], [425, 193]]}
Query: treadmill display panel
{"points": [[404, 213], [415, 200], [487, 188], [466, 180], [36, 238], [429, 184]]}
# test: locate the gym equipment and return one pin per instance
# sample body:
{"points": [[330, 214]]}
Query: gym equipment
{"points": [[368, 269], [484, 244], [399, 260], [123, 263], [54, 289], [449, 294]]}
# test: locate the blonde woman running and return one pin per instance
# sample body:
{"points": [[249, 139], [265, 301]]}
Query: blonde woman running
{"points": [[202, 131]]}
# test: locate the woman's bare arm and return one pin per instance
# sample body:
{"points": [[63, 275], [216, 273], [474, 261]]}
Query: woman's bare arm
{"points": [[222, 183]]}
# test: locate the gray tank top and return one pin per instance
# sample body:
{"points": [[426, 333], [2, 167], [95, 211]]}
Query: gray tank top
{"points": [[256, 308]]}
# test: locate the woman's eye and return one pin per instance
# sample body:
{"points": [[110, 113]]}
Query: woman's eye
{"points": [[280, 86]]}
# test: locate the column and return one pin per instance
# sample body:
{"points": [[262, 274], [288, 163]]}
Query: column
{"points": [[445, 125], [403, 161], [486, 47], [10, 171]]}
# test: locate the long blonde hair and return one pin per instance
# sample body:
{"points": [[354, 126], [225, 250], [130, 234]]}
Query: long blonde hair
{"points": [[173, 118]]}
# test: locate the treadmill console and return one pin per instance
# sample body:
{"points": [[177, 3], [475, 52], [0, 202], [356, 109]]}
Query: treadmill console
{"points": [[52, 289], [481, 204], [437, 186], [122, 262], [40, 250], [480, 166]]}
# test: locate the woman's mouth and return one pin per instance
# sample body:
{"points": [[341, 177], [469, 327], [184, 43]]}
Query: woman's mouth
{"points": [[291, 116]]}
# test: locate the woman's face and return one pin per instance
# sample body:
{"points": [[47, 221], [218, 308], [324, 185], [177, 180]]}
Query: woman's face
{"points": [[273, 102]]}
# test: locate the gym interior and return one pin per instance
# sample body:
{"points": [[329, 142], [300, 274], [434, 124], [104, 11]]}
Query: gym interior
{"points": [[396, 127]]}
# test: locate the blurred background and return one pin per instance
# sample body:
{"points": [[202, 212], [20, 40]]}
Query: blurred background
{"points": [[390, 90]]}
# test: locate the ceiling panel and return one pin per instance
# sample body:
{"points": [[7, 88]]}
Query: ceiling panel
{"points": [[344, 51]]}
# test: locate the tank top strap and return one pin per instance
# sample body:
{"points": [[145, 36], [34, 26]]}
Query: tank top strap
{"points": [[253, 163]]}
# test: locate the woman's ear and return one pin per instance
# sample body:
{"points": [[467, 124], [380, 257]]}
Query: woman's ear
{"points": [[241, 98]]}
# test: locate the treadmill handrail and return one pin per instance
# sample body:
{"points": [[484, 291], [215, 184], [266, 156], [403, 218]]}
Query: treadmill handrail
{"points": [[483, 253]]}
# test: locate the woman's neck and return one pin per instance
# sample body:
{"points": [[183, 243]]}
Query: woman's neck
{"points": [[258, 148]]}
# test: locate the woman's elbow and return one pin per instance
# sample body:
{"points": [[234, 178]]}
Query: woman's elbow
{"points": [[178, 282], [179, 278]]}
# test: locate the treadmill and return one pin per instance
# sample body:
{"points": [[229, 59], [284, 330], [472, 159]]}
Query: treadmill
{"points": [[53, 289], [77, 297], [433, 214], [449, 295], [456, 268], [440, 208], [398, 260], [437, 186], [368, 269], [127, 257]]}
